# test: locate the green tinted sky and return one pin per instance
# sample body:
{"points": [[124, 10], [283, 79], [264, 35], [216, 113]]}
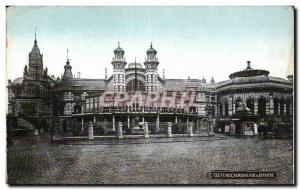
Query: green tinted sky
{"points": [[191, 41]]}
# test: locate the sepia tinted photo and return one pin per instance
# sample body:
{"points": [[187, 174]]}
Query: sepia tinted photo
{"points": [[150, 95]]}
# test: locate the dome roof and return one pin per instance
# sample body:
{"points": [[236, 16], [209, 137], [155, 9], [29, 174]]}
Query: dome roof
{"points": [[35, 50], [18, 80], [249, 72], [133, 65], [151, 49], [118, 49]]}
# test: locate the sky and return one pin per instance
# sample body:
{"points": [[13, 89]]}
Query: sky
{"points": [[190, 41]]}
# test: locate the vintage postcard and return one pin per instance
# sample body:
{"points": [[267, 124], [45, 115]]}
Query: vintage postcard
{"points": [[150, 95]]}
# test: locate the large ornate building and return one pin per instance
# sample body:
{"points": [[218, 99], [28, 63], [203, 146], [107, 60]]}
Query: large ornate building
{"points": [[248, 98]]}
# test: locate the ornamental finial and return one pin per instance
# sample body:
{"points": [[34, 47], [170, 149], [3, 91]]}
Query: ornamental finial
{"points": [[248, 65], [35, 42]]}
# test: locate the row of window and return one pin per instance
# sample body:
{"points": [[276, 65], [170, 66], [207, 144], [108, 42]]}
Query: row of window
{"points": [[262, 103], [151, 88], [119, 78], [151, 78], [119, 88]]}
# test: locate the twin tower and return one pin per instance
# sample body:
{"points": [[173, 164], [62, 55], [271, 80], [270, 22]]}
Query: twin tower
{"points": [[119, 74]]}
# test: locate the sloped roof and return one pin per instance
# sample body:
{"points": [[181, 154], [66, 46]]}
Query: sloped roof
{"points": [[183, 84], [81, 84]]}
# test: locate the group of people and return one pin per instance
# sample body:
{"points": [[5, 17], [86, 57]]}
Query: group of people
{"points": [[263, 130]]}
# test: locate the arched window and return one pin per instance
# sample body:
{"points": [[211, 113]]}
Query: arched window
{"points": [[281, 106], [262, 106], [135, 84], [250, 105], [237, 103], [276, 103]]}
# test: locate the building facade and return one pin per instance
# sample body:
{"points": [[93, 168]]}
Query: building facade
{"points": [[135, 94]]}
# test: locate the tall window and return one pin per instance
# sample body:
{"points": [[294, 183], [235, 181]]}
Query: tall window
{"points": [[281, 106], [221, 109], [262, 106], [237, 103], [276, 103], [288, 104], [226, 107], [250, 105]]}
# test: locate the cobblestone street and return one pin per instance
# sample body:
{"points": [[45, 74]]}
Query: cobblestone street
{"points": [[33, 160]]}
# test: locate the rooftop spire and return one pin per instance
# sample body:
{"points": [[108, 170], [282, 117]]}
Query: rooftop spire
{"points": [[35, 42], [118, 44], [151, 45], [68, 60]]}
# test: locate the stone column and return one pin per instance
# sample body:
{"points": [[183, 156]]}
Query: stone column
{"points": [[82, 124], [94, 119], [120, 130], [284, 109], [212, 127], [143, 121], [91, 131], [176, 119], [146, 130], [230, 111], [113, 123], [190, 129], [232, 129], [170, 130], [197, 125], [187, 122], [255, 129], [128, 122], [255, 106], [271, 106], [233, 106], [267, 107], [157, 123]]}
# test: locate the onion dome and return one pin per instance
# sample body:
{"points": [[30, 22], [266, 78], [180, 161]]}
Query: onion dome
{"points": [[68, 69], [249, 72], [119, 49], [151, 50]]}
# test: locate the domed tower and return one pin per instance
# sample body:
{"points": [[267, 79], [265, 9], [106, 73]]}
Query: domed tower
{"points": [[35, 65], [68, 69], [151, 64], [119, 64]]}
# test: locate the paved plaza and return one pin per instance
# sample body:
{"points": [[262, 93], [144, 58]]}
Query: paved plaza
{"points": [[33, 160]]}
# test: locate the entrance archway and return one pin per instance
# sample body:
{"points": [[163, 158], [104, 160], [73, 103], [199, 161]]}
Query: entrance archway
{"points": [[135, 84]]}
